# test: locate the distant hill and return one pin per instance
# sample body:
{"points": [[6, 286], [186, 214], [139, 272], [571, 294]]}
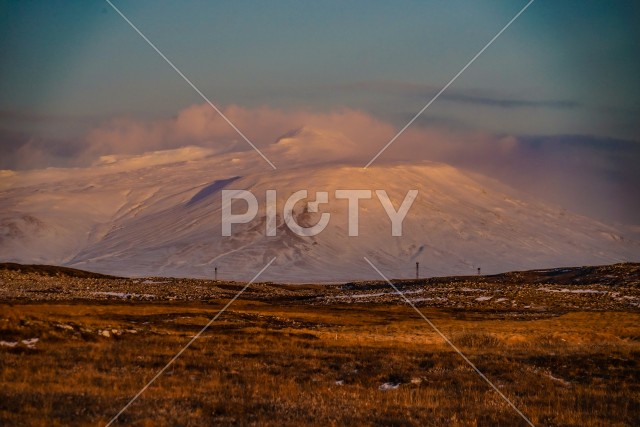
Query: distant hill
{"points": [[607, 275], [53, 271]]}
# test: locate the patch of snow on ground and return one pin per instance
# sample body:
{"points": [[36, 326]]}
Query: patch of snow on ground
{"points": [[560, 380], [31, 342], [124, 295], [388, 386], [573, 291], [417, 291], [363, 295], [428, 299]]}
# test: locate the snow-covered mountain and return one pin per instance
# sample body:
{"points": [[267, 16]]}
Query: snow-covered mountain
{"points": [[160, 215]]}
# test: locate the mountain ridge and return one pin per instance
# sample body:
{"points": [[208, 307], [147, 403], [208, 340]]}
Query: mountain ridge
{"points": [[164, 219]]}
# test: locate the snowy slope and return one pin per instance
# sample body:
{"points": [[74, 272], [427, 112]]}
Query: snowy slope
{"points": [[160, 215]]}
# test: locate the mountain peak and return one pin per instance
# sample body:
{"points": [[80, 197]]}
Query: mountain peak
{"points": [[167, 221]]}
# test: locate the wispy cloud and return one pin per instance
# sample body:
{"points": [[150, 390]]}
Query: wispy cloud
{"points": [[463, 96], [510, 103]]}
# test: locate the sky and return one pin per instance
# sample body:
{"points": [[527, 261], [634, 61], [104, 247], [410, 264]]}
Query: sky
{"points": [[561, 83]]}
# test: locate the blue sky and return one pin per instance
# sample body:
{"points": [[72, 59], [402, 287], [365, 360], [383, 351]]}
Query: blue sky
{"points": [[563, 79], [564, 67]]}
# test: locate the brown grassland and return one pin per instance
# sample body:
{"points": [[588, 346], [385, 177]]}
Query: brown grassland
{"points": [[288, 363]]}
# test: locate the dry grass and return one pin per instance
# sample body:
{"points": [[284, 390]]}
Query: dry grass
{"points": [[264, 364]]}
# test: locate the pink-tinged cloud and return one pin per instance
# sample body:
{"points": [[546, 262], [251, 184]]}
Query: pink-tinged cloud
{"points": [[595, 176], [301, 136]]}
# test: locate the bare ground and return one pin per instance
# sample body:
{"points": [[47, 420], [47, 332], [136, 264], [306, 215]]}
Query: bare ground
{"points": [[563, 345]]}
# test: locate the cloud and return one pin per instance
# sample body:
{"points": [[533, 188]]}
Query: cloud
{"points": [[342, 135], [20, 150], [510, 102], [350, 131], [463, 96], [595, 176], [290, 137]]}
